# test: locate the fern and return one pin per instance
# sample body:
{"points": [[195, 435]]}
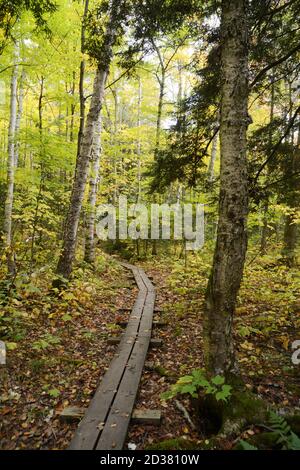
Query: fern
{"points": [[279, 424], [287, 439], [246, 446]]}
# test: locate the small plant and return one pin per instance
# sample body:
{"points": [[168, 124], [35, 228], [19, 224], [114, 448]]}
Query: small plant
{"points": [[47, 341], [285, 437], [191, 384]]}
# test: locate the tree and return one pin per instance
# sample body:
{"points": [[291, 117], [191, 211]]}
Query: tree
{"points": [[104, 56], [229, 256], [11, 11], [89, 249], [11, 164]]}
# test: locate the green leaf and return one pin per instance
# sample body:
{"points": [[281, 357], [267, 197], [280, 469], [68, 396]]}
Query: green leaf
{"points": [[224, 393], [54, 392], [11, 346], [218, 380], [66, 317], [294, 441], [188, 388], [246, 446], [186, 379]]}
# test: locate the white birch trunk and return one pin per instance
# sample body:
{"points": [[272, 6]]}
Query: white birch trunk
{"points": [[64, 267], [11, 164], [89, 254]]}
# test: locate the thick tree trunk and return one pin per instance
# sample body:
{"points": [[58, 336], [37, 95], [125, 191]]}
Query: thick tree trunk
{"points": [[64, 267], [231, 242], [89, 252], [290, 228], [11, 165]]}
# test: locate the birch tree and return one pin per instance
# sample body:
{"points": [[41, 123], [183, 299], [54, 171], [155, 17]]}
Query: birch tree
{"points": [[11, 164], [231, 242], [64, 267], [89, 253]]}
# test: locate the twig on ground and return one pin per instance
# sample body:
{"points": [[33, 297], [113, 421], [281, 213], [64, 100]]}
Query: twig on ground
{"points": [[185, 413]]}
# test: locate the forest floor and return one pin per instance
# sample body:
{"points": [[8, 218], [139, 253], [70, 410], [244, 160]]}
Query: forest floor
{"points": [[58, 348]]}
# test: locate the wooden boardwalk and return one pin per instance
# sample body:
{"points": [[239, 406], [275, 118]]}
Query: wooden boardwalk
{"points": [[105, 423]]}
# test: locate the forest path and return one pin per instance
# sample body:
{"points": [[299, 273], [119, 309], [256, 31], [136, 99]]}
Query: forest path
{"points": [[105, 423]]}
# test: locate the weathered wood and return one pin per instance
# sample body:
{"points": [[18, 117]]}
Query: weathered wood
{"points": [[104, 425], [152, 417], [155, 324], [115, 430], [72, 413], [154, 342], [87, 433]]}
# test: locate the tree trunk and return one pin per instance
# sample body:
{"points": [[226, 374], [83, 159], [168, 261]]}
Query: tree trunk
{"points": [[292, 198], [265, 228], [290, 240], [11, 165], [211, 167], [139, 176], [89, 252], [19, 116], [81, 80], [231, 245], [64, 267], [159, 111]]}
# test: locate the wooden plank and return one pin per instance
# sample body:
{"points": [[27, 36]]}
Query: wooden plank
{"points": [[72, 413], [154, 342], [155, 324], [152, 417], [115, 429], [106, 421], [88, 430]]}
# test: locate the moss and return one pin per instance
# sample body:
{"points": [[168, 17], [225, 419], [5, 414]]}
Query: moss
{"points": [[160, 370], [245, 405], [174, 444]]}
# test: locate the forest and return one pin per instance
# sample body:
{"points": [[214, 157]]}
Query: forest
{"points": [[149, 225]]}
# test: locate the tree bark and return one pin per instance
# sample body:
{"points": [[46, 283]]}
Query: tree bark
{"points": [[265, 228], [290, 236], [231, 245], [139, 175], [290, 240], [11, 165], [19, 116], [211, 167], [81, 80], [64, 267], [89, 252]]}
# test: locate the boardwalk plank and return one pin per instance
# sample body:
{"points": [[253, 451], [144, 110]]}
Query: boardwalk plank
{"points": [[106, 421]]}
